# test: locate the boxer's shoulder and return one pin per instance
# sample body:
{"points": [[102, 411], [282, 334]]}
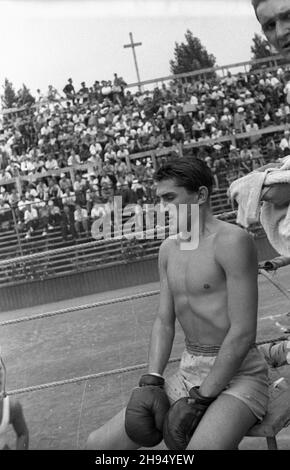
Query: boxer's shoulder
{"points": [[232, 239]]}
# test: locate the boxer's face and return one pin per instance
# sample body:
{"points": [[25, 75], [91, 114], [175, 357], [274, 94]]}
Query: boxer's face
{"points": [[274, 16], [174, 199]]}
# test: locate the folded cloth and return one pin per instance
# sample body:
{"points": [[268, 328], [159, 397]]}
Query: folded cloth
{"points": [[247, 192], [275, 219], [276, 223]]}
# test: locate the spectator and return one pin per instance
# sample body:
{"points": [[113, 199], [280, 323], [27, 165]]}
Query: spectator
{"points": [[69, 90], [83, 93], [54, 214], [81, 220], [5, 212], [67, 223], [129, 195], [68, 198], [30, 219], [257, 157], [98, 211], [44, 218], [73, 159], [285, 143], [51, 163]]}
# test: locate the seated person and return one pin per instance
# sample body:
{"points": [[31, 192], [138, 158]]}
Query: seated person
{"points": [[67, 223], [30, 219], [81, 220]]}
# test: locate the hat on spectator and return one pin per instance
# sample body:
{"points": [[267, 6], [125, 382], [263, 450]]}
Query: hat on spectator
{"points": [[232, 147], [104, 110], [122, 141], [62, 175], [217, 146], [138, 163], [241, 109]]}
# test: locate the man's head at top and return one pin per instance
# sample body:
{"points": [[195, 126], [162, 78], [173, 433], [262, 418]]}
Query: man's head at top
{"points": [[274, 17]]}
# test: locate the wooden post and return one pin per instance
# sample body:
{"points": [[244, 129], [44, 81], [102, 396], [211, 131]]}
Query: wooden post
{"points": [[153, 157]]}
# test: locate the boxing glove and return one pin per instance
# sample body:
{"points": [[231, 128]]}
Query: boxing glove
{"points": [[183, 418], [146, 411]]}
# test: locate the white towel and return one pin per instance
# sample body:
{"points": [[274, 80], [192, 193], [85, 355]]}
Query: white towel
{"points": [[276, 223], [275, 220], [247, 192]]}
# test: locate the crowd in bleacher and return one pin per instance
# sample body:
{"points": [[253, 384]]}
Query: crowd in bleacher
{"points": [[101, 126]]}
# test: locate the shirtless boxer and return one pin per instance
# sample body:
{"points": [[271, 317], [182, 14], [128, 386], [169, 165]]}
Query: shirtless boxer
{"points": [[212, 292]]}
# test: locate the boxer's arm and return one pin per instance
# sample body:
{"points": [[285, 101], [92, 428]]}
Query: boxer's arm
{"points": [[236, 254], [164, 325]]}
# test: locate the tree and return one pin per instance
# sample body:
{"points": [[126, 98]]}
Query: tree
{"points": [[260, 48], [9, 98], [24, 96], [190, 56]]}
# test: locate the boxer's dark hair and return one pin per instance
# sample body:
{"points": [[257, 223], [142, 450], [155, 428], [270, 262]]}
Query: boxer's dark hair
{"points": [[188, 172]]}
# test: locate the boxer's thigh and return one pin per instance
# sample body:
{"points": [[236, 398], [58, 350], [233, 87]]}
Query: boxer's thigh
{"points": [[111, 436], [223, 426]]}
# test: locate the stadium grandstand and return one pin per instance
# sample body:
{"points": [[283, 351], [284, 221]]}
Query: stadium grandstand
{"points": [[65, 155]]}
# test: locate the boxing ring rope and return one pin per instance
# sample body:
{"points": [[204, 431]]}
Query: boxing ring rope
{"points": [[79, 307], [123, 370]]}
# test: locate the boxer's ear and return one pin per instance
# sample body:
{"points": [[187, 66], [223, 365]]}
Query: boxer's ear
{"points": [[203, 195]]}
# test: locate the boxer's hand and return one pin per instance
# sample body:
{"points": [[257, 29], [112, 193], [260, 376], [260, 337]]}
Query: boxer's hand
{"points": [[183, 418], [146, 411]]}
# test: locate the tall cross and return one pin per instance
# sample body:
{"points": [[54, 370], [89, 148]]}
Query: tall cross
{"points": [[133, 45]]}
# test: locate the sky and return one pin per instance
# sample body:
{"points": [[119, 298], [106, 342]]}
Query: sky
{"points": [[46, 42]]}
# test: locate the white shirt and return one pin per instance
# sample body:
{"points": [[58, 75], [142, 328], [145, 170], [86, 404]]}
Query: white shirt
{"points": [[80, 215], [98, 211], [73, 159], [30, 215], [284, 143], [51, 164]]}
